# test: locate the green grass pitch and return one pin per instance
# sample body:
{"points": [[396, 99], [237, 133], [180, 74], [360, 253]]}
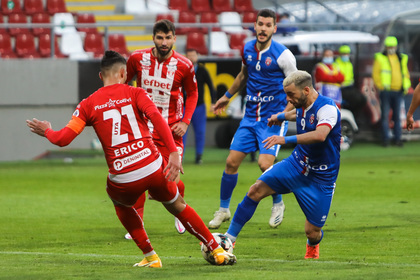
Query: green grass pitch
{"points": [[56, 222]]}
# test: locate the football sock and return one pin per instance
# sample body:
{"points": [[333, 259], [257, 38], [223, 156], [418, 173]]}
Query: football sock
{"points": [[195, 225], [139, 205], [134, 225], [151, 253], [181, 187], [243, 214], [227, 186], [319, 241], [277, 198]]}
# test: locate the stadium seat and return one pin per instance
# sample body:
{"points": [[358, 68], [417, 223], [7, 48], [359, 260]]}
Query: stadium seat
{"points": [[221, 6], [231, 22], [219, 44], [64, 23], [72, 45], [237, 41], [157, 6], [180, 5], [197, 41], [135, 7], [241, 6], [56, 6], [209, 17], [25, 46], [94, 43], [39, 18], [6, 50], [33, 6], [200, 6], [86, 18], [2, 29], [249, 18], [10, 7], [116, 42], [186, 17], [44, 46], [165, 16], [18, 18]]}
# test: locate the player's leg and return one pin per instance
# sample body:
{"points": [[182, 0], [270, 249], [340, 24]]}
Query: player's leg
{"points": [[265, 161], [243, 142], [247, 207], [199, 124], [397, 98], [227, 185], [314, 235]]}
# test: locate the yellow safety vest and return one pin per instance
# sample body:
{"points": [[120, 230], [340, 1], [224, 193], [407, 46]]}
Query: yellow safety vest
{"points": [[327, 69], [346, 67], [386, 71]]}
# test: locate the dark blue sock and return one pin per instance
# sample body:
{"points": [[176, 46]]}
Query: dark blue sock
{"points": [[319, 241], [227, 186], [277, 198], [243, 214]]}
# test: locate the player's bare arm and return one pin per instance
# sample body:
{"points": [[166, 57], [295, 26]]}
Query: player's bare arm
{"points": [[38, 127], [413, 106], [238, 84], [316, 136], [289, 115]]}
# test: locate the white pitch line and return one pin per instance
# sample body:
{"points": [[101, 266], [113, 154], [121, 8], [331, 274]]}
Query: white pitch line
{"points": [[183, 257]]}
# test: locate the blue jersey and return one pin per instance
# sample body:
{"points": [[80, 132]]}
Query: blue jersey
{"points": [[320, 161], [266, 72]]}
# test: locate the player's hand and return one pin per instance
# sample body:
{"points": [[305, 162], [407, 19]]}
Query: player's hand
{"points": [[273, 140], [220, 105], [410, 123], [173, 167], [180, 128], [273, 120], [38, 127]]}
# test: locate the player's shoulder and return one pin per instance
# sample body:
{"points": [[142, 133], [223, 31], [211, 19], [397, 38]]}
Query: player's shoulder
{"points": [[277, 47], [140, 52], [182, 59], [250, 45]]}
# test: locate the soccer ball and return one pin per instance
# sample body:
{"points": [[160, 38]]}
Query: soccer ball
{"points": [[223, 241]]}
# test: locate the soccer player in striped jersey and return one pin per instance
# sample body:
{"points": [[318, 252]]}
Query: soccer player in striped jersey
{"points": [[311, 171], [118, 114], [265, 64]]}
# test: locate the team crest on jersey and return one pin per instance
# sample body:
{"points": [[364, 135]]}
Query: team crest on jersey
{"points": [[249, 58], [111, 103], [312, 119], [76, 113], [145, 62], [268, 61]]}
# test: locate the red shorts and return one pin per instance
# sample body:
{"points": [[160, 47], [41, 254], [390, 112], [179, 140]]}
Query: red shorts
{"points": [[163, 150], [159, 188]]}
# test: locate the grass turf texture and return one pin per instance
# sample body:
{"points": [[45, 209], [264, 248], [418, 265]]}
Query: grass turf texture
{"points": [[58, 223]]}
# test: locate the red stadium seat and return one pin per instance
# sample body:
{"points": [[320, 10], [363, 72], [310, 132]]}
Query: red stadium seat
{"points": [[87, 18], [33, 6], [221, 6], [39, 18], [116, 42], [237, 41], [200, 6], [241, 6], [2, 29], [169, 17], [186, 18], [249, 18], [197, 41], [209, 17], [94, 43], [10, 7], [180, 5], [18, 18], [6, 50], [44, 46], [56, 6], [25, 46]]}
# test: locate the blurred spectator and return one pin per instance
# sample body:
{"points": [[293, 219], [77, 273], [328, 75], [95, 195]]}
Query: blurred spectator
{"points": [[285, 26], [392, 79], [328, 77], [353, 99]]}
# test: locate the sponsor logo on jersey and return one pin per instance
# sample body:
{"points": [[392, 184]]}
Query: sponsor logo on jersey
{"points": [[249, 57], [259, 99], [160, 84], [112, 103], [268, 61], [312, 119], [119, 164], [76, 113]]}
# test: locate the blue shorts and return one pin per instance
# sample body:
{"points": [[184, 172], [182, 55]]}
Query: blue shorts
{"points": [[314, 199], [250, 134]]}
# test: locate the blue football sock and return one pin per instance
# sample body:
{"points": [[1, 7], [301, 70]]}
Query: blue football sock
{"points": [[319, 241], [226, 188], [277, 198], [243, 214]]}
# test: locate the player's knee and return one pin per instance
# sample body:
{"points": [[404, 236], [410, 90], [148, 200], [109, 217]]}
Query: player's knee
{"points": [[256, 192], [313, 234], [264, 166], [231, 166]]}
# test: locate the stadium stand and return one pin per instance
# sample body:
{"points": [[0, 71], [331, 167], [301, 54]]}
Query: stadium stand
{"points": [[33, 6], [94, 43], [231, 22], [86, 18], [186, 17], [72, 46], [25, 46], [10, 7], [56, 6], [180, 5], [6, 49], [116, 42], [64, 23], [200, 6], [209, 17], [197, 41], [40, 18], [44, 47], [242, 6], [2, 29], [221, 6], [18, 18], [219, 44], [165, 16], [237, 41]]}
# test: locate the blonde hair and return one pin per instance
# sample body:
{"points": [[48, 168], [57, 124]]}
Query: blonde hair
{"points": [[300, 78]]}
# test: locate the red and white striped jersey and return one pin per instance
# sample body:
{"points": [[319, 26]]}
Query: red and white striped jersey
{"points": [[165, 81]]}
